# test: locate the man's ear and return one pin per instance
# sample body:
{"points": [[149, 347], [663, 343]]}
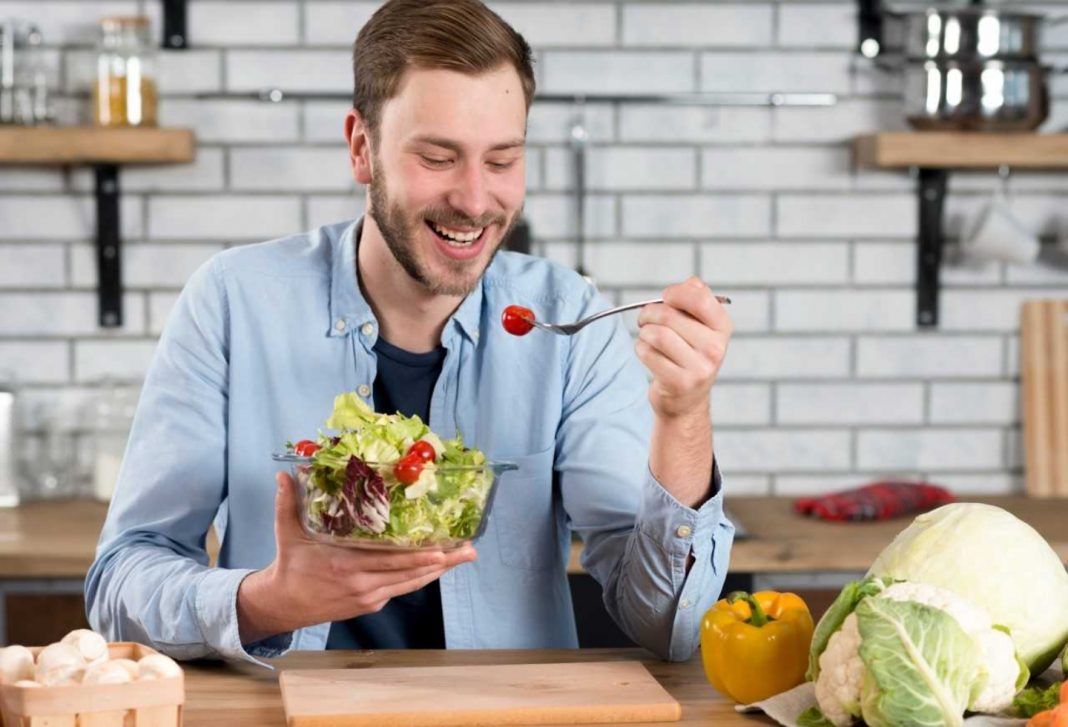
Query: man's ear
{"points": [[358, 137]]}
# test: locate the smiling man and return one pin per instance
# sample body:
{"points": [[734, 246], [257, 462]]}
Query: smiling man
{"points": [[403, 307]]}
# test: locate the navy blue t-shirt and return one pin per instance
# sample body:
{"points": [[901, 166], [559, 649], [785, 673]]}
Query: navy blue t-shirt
{"points": [[405, 383]]}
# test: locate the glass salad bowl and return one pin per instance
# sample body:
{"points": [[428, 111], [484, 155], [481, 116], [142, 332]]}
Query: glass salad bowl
{"points": [[361, 504]]}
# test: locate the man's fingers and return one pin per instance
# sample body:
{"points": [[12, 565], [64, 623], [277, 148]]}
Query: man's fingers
{"points": [[407, 586], [370, 560], [379, 579], [661, 367], [671, 344], [695, 298], [373, 582]]}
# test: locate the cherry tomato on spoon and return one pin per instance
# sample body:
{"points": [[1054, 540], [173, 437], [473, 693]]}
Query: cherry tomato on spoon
{"points": [[517, 320], [305, 448]]}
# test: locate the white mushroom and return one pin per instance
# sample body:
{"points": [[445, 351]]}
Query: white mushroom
{"points": [[93, 646], [106, 672], [26, 683], [16, 663], [129, 665], [57, 663], [62, 676], [158, 666]]}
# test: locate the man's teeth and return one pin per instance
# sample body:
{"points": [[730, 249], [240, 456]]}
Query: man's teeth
{"points": [[456, 236]]}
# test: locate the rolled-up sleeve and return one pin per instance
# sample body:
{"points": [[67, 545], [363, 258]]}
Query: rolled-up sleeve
{"points": [[638, 539], [151, 581]]}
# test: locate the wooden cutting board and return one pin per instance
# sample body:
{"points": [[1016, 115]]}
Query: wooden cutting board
{"points": [[1044, 387], [590, 692]]}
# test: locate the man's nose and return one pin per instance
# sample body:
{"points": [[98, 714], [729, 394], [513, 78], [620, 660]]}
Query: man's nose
{"points": [[470, 194]]}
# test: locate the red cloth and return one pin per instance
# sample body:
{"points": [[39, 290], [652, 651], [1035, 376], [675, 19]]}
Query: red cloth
{"points": [[877, 501]]}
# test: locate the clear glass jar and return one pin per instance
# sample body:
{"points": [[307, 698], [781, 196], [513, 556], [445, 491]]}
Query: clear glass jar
{"points": [[125, 90], [112, 415]]}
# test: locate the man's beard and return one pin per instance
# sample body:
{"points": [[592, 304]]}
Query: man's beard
{"points": [[401, 236]]}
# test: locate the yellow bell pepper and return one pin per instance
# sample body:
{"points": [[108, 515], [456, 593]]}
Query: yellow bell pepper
{"points": [[755, 646]]}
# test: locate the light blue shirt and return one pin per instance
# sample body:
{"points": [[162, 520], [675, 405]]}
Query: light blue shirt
{"points": [[261, 341]]}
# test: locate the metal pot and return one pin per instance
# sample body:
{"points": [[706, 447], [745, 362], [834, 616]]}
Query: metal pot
{"points": [[964, 34], [992, 95]]}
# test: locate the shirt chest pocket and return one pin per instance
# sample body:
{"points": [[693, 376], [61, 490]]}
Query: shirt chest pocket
{"points": [[522, 517]]}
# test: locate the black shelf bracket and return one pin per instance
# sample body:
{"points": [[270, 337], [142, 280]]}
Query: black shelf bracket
{"points": [[108, 246], [174, 25], [932, 197]]}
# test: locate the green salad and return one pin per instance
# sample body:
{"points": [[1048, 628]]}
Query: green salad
{"points": [[388, 477]]}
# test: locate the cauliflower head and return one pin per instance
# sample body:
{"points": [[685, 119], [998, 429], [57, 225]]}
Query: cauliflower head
{"points": [[841, 675], [842, 672]]}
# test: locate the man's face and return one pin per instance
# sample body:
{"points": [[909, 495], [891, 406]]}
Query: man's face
{"points": [[448, 173]]}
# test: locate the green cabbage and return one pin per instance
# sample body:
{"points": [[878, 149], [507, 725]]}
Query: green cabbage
{"points": [[995, 560]]}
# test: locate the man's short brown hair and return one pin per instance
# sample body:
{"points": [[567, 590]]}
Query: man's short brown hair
{"points": [[458, 35]]}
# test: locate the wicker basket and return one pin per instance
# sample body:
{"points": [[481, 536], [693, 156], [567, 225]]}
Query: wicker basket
{"points": [[149, 703]]}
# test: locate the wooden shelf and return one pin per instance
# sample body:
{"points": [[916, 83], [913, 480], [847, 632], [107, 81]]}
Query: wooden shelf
{"points": [[91, 145], [961, 150]]}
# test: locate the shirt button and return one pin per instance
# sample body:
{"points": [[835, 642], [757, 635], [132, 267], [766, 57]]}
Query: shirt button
{"points": [[340, 325], [683, 531], [685, 603], [367, 329], [363, 390]]}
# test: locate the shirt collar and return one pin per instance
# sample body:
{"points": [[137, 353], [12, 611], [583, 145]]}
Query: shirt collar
{"points": [[349, 309]]}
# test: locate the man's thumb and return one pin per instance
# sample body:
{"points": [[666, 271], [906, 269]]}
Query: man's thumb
{"points": [[286, 515]]}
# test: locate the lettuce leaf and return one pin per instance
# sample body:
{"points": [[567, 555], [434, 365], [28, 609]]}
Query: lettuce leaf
{"points": [[921, 665]]}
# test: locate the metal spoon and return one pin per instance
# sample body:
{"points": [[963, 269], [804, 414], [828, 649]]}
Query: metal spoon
{"points": [[567, 329]]}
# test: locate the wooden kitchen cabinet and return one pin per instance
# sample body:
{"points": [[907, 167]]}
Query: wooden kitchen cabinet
{"points": [[42, 618]]}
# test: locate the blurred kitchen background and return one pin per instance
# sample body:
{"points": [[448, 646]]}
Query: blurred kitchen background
{"points": [[832, 379]]}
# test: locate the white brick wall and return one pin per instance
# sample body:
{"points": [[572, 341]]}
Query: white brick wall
{"points": [[827, 383], [702, 124], [222, 218], [697, 25], [775, 263], [235, 24], [849, 404], [660, 216], [617, 72]]}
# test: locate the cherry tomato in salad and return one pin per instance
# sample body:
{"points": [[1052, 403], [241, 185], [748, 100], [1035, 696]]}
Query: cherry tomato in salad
{"points": [[517, 320], [424, 450], [305, 448], [408, 468]]}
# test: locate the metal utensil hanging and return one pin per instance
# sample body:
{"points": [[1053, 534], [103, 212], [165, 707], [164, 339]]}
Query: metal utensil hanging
{"points": [[578, 139]]}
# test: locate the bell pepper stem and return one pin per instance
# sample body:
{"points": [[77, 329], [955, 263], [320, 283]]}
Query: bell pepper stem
{"points": [[758, 617]]}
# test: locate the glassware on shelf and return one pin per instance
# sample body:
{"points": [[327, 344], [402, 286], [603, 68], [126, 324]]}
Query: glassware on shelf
{"points": [[24, 98], [124, 93], [112, 415]]}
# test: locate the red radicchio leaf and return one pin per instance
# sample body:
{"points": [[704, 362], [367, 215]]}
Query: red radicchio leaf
{"points": [[365, 497]]}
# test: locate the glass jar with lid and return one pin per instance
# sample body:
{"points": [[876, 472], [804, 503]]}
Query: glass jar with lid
{"points": [[124, 93]]}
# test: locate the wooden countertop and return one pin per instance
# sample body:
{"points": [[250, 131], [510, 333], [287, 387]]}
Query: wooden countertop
{"points": [[244, 695], [58, 539]]}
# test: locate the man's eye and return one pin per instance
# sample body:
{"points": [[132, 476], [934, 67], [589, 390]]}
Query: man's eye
{"points": [[502, 165], [435, 161]]}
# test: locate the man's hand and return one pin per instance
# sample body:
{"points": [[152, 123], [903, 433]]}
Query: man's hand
{"points": [[310, 583], [683, 342]]}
